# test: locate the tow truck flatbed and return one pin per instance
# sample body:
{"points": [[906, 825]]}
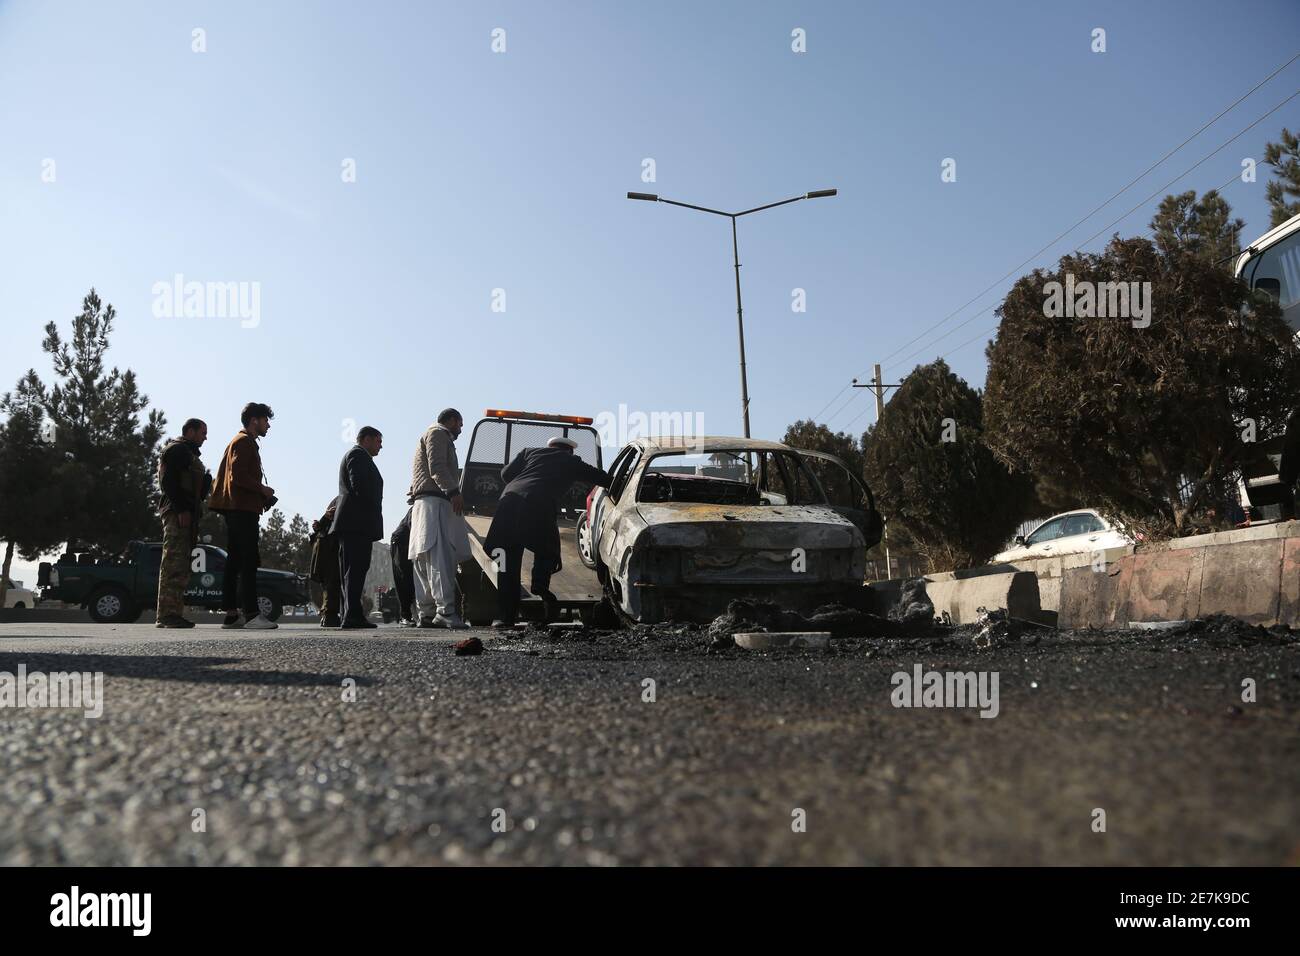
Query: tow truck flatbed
{"points": [[496, 440], [574, 585]]}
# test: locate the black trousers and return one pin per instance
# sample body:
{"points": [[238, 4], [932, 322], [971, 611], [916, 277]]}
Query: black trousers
{"points": [[403, 574], [239, 587], [521, 524], [354, 563]]}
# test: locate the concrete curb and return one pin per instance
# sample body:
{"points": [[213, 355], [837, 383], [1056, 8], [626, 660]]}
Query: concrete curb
{"points": [[961, 593], [1250, 573]]}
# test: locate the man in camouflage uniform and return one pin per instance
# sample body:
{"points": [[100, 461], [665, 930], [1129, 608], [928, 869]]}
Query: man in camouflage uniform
{"points": [[184, 484]]}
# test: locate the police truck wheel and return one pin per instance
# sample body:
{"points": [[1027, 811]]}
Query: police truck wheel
{"points": [[112, 606], [268, 608]]}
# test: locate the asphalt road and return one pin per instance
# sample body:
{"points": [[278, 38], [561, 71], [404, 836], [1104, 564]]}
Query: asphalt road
{"points": [[549, 735]]}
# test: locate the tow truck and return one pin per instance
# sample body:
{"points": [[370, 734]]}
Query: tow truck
{"points": [[497, 438], [1271, 265]]}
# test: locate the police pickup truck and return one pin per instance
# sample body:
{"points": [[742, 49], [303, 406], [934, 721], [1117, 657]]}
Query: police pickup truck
{"points": [[118, 591]]}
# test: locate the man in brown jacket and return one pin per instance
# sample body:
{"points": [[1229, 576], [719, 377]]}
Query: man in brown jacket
{"points": [[240, 496]]}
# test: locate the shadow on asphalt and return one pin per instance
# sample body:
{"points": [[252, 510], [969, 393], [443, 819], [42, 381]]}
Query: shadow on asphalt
{"points": [[197, 670]]}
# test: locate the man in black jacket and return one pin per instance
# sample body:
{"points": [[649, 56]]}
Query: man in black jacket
{"points": [[358, 520], [525, 518]]}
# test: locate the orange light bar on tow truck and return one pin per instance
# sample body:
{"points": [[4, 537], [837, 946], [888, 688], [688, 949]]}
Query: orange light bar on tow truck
{"points": [[539, 417]]}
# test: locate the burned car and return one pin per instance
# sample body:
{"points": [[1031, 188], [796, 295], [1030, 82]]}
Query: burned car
{"points": [[687, 525]]}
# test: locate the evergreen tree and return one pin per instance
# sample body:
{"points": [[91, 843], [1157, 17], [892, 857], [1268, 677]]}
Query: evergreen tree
{"points": [[1284, 157], [935, 477], [110, 495], [1149, 424]]}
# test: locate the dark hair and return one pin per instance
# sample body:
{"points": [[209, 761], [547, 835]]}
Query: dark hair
{"points": [[447, 414], [255, 410], [192, 423], [369, 431]]}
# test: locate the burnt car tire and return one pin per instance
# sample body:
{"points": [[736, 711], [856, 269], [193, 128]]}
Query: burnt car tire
{"points": [[112, 605], [600, 615], [582, 535]]}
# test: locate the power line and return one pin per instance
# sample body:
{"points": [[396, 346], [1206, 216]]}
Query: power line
{"points": [[1121, 192], [832, 401], [1120, 219], [1103, 205], [1185, 172], [1235, 177]]}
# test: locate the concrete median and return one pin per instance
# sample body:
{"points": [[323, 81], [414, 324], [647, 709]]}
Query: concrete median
{"points": [[1248, 573], [961, 593]]}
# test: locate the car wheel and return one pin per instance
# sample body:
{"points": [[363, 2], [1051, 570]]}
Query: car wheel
{"points": [[613, 602], [582, 532], [112, 606], [20, 604], [269, 609], [600, 616]]}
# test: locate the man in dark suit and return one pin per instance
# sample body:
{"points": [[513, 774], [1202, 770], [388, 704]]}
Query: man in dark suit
{"points": [[525, 518], [358, 520]]}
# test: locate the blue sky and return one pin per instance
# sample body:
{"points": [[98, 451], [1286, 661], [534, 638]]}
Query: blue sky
{"points": [[478, 171]]}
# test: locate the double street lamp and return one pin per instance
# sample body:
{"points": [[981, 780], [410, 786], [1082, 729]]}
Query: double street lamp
{"points": [[735, 254]]}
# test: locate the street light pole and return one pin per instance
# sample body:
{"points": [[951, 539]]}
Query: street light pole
{"points": [[735, 255], [740, 329]]}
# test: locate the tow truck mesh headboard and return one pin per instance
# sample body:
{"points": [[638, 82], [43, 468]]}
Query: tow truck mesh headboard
{"points": [[495, 442]]}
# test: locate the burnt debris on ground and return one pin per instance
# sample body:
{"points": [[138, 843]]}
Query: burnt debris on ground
{"points": [[910, 622]]}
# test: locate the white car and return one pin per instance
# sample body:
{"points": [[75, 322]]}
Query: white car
{"points": [[18, 596], [1074, 532]]}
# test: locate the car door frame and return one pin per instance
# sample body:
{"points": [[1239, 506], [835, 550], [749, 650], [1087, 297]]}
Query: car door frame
{"points": [[863, 519], [602, 500]]}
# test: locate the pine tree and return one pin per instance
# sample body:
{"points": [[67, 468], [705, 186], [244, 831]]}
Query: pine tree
{"points": [[1284, 157], [109, 497], [1202, 229]]}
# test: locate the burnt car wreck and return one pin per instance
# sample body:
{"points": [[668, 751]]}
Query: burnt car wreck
{"points": [[688, 525]]}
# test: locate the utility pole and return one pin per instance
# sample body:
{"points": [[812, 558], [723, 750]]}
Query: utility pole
{"points": [[879, 387]]}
